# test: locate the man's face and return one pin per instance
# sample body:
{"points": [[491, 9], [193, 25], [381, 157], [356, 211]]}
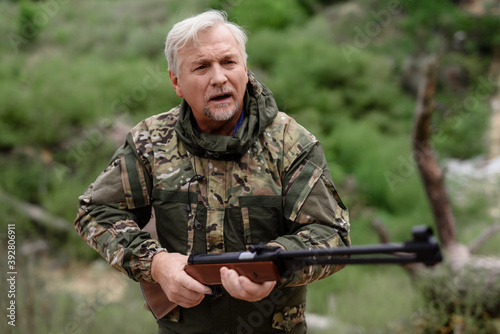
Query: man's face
{"points": [[212, 77]]}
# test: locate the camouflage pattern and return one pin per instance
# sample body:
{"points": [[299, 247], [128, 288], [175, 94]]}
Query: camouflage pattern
{"points": [[287, 317], [109, 238], [246, 226], [278, 190], [190, 228], [258, 173]]}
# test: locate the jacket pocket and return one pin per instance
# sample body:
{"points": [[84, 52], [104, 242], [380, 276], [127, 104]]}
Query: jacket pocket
{"points": [[262, 218], [174, 225], [287, 317]]}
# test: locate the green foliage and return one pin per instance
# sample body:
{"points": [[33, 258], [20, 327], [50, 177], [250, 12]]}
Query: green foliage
{"points": [[481, 32], [30, 20], [464, 122], [318, 70], [258, 14], [70, 95], [28, 185], [23, 226], [261, 14]]}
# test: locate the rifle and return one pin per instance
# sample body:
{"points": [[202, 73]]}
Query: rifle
{"points": [[264, 263]]}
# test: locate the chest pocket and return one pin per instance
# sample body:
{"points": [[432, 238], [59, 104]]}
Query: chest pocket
{"points": [[262, 218], [176, 227]]}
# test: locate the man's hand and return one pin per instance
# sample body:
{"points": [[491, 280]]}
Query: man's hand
{"points": [[168, 270], [243, 288]]}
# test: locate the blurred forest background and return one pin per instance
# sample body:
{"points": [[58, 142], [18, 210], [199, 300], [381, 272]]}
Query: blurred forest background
{"points": [[75, 75]]}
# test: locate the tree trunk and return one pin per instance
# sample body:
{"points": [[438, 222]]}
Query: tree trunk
{"points": [[430, 172]]}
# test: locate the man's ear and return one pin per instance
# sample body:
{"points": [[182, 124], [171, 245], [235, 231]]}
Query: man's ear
{"points": [[174, 79]]}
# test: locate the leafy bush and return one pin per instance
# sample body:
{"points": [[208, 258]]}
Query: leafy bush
{"points": [[75, 93], [448, 19], [29, 20], [464, 123], [262, 14], [310, 72], [468, 301]]}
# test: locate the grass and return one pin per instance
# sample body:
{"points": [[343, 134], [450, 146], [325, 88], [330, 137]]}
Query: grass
{"points": [[364, 298], [74, 298]]}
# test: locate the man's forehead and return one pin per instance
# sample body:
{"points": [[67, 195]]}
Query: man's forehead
{"points": [[203, 52], [201, 57]]}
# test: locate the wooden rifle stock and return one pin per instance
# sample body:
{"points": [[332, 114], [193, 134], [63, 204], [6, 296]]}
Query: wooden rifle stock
{"points": [[263, 263], [208, 274]]}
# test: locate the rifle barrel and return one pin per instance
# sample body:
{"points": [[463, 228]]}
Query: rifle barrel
{"points": [[423, 248], [363, 250], [360, 260]]}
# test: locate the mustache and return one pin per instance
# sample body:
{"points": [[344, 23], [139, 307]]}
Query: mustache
{"points": [[219, 92]]}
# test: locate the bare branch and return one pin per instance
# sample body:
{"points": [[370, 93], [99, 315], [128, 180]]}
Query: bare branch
{"points": [[486, 235], [37, 214], [381, 230]]}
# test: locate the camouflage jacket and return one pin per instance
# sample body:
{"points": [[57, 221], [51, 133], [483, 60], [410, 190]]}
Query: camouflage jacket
{"points": [[268, 183]]}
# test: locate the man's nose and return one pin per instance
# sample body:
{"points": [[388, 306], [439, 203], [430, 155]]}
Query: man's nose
{"points": [[218, 76]]}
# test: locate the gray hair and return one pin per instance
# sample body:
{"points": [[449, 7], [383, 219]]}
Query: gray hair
{"points": [[186, 31]]}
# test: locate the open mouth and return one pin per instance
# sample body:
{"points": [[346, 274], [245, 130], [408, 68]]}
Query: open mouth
{"points": [[220, 97]]}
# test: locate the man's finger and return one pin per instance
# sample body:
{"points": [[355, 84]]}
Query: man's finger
{"points": [[243, 288], [191, 284], [230, 281], [253, 288]]}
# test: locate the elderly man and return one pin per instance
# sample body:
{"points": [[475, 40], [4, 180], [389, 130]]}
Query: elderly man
{"points": [[223, 170]]}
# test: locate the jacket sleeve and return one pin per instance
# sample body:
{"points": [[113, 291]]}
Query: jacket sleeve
{"points": [[316, 215], [114, 209]]}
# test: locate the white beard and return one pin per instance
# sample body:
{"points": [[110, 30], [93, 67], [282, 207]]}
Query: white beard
{"points": [[222, 113]]}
